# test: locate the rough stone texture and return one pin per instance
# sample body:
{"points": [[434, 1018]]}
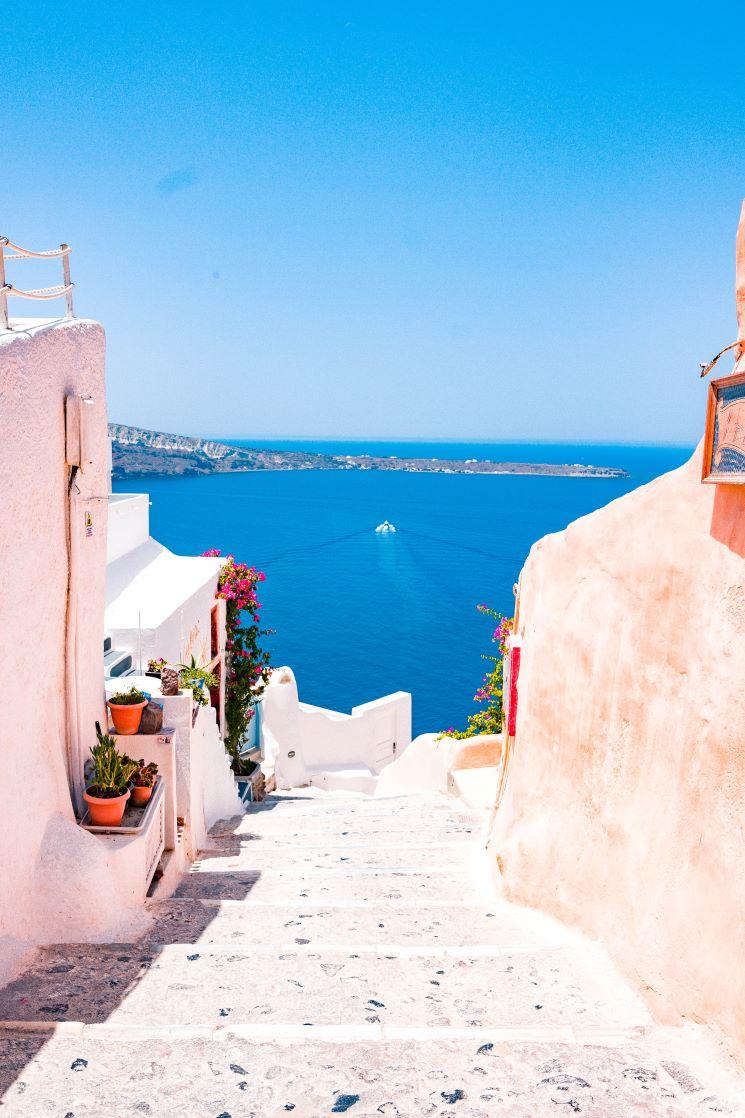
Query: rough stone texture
{"points": [[169, 681], [623, 813], [152, 719], [268, 1004], [209, 1077]]}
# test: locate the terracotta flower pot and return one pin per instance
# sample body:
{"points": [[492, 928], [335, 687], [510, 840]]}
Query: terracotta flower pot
{"points": [[106, 812], [141, 794], [126, 718]]}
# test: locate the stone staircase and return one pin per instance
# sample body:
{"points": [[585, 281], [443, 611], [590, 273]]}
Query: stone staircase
{"points": [[338, 954], [115, 662]]}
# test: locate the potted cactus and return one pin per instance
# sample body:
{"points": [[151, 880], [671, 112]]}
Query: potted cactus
{"points": [[143, 782], [126, 710], [109, 777]]}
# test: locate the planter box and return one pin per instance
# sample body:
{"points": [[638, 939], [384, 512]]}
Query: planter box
{"points": [[251, 788], [135, 847], [134, 819], [245, 791], [161, 749]]}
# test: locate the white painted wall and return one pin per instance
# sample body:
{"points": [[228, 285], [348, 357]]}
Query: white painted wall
{"points": [[424, 767], [218, 793], [129, 523], [305, 744], [59, 882], [56, 882], [468, 768], [155, 599]]}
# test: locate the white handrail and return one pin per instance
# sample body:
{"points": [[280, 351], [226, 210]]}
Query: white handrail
{"points": [[39, 292], [27, 253], [56, 292]]}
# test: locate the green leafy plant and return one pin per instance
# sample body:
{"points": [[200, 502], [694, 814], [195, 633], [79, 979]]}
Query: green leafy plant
{"points": [[111, 771], [200, 680], [128, 698], [156, 666], [488, 720], [144, 776]]}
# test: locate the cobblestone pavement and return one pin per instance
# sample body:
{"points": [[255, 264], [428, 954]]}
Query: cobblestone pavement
{"points": [[335, 955]]}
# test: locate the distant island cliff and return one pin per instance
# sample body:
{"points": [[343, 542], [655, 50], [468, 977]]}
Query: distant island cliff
{"points": [[136, 452]]}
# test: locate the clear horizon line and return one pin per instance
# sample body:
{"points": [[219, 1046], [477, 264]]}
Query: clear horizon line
{"points": [[414, 439], [465, 441]]}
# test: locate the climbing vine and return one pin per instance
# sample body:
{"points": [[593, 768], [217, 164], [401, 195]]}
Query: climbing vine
{"points": [[247, 667], [488, 720]]}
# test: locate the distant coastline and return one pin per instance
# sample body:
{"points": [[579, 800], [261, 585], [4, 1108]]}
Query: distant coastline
{"points": [[137, 452]]}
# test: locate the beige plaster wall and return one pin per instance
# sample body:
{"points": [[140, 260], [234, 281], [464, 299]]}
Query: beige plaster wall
{"points": [[55, 882], [624, 812]]}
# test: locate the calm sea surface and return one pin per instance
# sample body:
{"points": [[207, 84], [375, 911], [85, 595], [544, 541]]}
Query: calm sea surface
{"points": [[358, 615]]}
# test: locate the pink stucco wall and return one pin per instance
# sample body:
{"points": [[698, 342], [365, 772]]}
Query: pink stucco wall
{"points": [[55, 881], [624, 810]]}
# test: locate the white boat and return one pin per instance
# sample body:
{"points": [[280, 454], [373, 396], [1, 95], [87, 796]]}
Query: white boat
{"points": [[385, 528]]}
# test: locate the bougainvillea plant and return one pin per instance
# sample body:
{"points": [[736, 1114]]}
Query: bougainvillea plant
{"points": [[488, 720], [247, 667]]}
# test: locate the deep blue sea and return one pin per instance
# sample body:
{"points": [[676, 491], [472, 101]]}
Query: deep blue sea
{"points": [[358, 615]]}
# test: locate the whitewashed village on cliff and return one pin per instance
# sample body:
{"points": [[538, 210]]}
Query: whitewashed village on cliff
{"points": [[219, 901]]}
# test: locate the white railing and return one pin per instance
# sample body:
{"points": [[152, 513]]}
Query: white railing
{"points": [[9, 251]]}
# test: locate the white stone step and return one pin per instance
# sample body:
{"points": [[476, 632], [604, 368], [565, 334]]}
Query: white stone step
{"points": [[335, 954], [352, 778], [178, 986], [381, 887], [350, 832], [299, 857], [438, 822], [426, 926], [102, 1071]]}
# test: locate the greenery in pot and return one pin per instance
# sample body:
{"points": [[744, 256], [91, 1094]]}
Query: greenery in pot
{"points": [[198, 679], [126, 709], [128, 698], [143, 782], [110, 772], [144, 776]]}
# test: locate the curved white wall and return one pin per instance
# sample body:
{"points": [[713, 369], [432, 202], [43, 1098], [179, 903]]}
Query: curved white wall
{"points": [[304, 744], [217, 790], [56, 884]]}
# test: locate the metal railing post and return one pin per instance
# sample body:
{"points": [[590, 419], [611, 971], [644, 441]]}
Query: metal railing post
{"points": [[66, 278], [4, 320]]}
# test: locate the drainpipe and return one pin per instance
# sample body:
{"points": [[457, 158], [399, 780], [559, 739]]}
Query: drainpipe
{"points": [[74, 766], [76, 413]]}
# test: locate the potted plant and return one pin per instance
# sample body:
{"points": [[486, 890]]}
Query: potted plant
{"points": [[199, 680], [155, 667], [143, 782], [108, 790], [126, 710]]}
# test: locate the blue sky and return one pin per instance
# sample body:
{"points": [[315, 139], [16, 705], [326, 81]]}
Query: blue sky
{"points": [[485, 221]]}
